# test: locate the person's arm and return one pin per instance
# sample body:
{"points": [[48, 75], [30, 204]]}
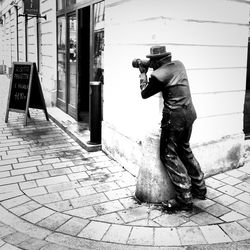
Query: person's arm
{"points": [[149, 87]]}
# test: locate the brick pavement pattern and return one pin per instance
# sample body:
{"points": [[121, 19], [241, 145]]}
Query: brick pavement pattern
{"points": [[56, 195]]}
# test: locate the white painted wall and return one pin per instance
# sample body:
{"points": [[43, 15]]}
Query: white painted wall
{"points": [[9, 32], [1, 37], [46, 43], [209, 36], [48, 52]]}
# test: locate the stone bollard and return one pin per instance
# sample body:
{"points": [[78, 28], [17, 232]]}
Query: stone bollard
{"points": [[153, 182]]}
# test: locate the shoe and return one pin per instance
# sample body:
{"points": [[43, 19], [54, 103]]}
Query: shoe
{"points": [[199, 195], [174, 205]]}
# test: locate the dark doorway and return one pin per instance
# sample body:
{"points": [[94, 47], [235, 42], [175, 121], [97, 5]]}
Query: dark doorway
{"points": [[246, 126], [83, 63]]}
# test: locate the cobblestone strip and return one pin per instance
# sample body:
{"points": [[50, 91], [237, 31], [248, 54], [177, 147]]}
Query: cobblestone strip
{"points": [[130, 235], [199, 227]]}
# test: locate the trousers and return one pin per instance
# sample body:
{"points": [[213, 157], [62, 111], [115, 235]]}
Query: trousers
{"points": [[183, 168]]}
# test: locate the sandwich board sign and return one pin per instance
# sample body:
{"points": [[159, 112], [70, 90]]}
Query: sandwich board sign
{"points": [[25, 90]]}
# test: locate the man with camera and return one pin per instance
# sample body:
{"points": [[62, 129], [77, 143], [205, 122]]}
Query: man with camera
{"points": [[170, 78]]}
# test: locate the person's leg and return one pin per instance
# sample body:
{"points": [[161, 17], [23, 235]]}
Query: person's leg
{"points": [[192, 165], [177, 171]]}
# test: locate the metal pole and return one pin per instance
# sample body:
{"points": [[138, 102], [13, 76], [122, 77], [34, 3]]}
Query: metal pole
{"points": [[26, 37], [17, 36], [37, 41]]}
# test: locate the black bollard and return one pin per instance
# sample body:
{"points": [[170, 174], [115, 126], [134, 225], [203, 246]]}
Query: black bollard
{"points": [[95, 112]]}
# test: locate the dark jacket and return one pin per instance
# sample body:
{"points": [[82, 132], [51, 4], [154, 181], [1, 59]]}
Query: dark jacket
{"points": [[171, 79]]}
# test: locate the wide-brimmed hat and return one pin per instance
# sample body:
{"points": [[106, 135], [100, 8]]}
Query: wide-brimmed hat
{"points": [[158, 51]]}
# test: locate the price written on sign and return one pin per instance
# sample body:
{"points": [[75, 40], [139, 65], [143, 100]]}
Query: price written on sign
{"points": [[21, 86], [20, 96]]}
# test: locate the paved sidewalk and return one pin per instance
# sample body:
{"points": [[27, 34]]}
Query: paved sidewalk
{"points": [[54, 195]]}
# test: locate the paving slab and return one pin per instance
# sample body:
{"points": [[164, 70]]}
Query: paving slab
{"points": [[54, 194]]}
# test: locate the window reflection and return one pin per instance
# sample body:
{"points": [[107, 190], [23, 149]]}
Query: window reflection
{"points": [[72, 2], [72, 60], [61, 53], [98, 67], [60, 4]]}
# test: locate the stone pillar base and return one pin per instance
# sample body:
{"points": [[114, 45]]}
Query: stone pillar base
{"points": [[153, 182]]}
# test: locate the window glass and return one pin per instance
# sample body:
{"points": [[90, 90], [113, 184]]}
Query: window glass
{"points": [[98, 67], [71, 2], [60, 4], [61, 55], [72, 60]]}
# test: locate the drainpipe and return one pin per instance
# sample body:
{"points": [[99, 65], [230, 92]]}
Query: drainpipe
{"points": [[17, 36], [37, 43], [26, 37]]}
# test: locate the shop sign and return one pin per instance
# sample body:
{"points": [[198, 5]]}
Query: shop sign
{"points": [[25, 90], [31, 7]]}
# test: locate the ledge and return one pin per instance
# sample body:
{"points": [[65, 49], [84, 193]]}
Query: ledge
{"points": [[78, 131]]}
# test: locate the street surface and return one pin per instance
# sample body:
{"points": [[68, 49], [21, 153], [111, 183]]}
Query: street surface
{"points": [[54, 195]]}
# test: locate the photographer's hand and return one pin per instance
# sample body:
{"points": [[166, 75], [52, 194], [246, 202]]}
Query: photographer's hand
{"points": [[142, 68], [143, 81]]}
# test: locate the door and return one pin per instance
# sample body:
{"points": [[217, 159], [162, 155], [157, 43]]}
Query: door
{"points": [[61, 101], [80, 49], [67, 64], [90, 54], [72, 66], [246, 126], [83, 63]]}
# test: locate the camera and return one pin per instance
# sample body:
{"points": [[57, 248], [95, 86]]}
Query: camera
{"points": [[144, 63]]}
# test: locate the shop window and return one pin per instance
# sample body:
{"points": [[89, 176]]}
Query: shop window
{"points": [[72, 61], [80, 52], [60, 4], [61, 54], [98, 67], [71, 2]]}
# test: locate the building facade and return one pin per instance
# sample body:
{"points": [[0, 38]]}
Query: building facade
{"points": [[82, 41]]}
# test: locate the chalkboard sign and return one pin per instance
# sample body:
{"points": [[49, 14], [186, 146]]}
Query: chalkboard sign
{"points": [[25, 90], [21, 78]]}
